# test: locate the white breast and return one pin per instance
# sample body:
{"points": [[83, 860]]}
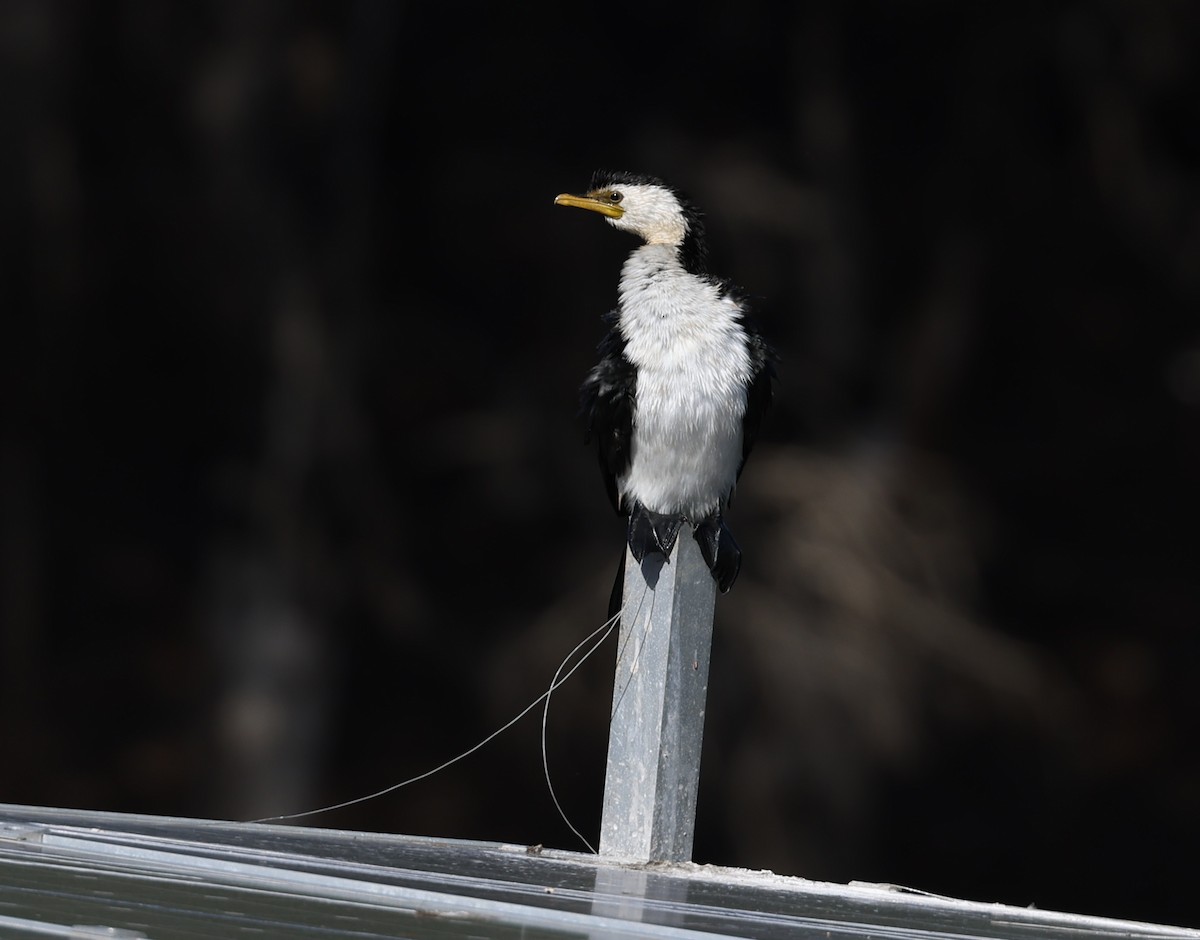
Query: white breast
{"points": [[693, 367]]}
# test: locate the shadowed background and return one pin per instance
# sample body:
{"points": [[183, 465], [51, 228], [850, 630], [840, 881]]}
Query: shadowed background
{"points": [[293, 499]]}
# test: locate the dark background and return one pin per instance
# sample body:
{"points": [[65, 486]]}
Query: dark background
{"points": [[294, 500]]}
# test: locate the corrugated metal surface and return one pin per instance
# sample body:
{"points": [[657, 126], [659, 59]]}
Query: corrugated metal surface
{"points": [[75, 874]]}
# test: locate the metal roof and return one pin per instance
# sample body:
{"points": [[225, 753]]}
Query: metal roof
{"points": [[68, 873]]}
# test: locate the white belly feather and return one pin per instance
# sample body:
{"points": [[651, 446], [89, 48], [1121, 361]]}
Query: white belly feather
{"points": [[693, 368]]}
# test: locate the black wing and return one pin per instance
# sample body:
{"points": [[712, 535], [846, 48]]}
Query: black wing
{"points": [[760, 391], [606, 401]]}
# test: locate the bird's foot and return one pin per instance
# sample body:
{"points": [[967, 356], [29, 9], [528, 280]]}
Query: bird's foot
{"points": [[651, 532], [719, 550]]}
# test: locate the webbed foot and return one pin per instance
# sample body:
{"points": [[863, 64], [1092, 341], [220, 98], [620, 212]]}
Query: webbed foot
{"points": [[719, 550], [651, 532]]}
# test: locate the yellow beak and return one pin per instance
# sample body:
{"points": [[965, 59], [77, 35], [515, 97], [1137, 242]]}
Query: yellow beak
{"points": [[594, 203]]}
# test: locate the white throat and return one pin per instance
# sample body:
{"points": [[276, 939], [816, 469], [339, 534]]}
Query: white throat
{"points": [[653, 213]]}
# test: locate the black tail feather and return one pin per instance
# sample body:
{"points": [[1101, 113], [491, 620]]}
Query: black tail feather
{"points": [[617, 597]]}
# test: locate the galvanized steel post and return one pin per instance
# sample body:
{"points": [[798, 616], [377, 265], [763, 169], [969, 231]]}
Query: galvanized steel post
{"points": [[658, 706]]}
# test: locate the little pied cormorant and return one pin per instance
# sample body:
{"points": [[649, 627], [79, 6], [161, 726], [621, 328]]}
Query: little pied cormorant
{"points": [[683, 380]]}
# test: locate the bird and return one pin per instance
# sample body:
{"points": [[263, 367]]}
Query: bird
{"points": [[684, 378]]}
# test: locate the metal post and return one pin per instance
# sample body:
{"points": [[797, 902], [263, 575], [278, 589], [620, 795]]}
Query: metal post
{"points": [[658, 706]]}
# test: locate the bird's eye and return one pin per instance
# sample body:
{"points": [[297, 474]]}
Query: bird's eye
{"points": [[615, 196]]}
